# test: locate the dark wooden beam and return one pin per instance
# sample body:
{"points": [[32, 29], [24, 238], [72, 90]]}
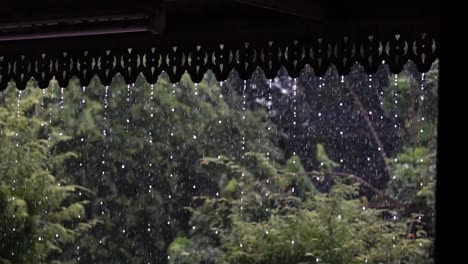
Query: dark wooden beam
{"points": [[205, 21], [300, 8]]}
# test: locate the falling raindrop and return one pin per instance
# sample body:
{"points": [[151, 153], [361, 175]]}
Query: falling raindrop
{"points": [[106, 104], [294, 106], [128, 93], [151, 101], [127, 123], [244, 88], [423, 78], [61, 102], [369, 80], [17, 133], [244, 136], [19, 104]]}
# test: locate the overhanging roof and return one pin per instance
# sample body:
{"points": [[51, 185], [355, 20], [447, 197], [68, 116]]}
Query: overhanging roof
{"points": [[62, 38]]}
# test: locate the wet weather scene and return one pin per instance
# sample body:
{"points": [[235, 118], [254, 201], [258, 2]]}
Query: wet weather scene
{"points": [[333, 169]]}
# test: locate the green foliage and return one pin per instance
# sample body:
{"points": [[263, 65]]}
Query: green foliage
{"points": [[39, 214], [322, 157], [413, 104], [264, 224], [160, 175], [122, 155]]}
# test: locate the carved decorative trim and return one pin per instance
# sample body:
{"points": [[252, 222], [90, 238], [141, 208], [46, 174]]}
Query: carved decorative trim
{"points": [[318, 52]]}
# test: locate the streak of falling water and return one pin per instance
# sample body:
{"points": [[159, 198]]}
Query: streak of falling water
{"points": [[82, 105], [244, 102], [83, 101], [106, 103], [61, 98], [270, 95], [221, 85], [61, 104], [342, 84], [127, 123], [150, 137], [423, 91], [423, 88], [18, 110], [42, 106], [369, 83], [104, 131], [52, 97], [151, 101], [269, 104], [194, 134], [173, 130], [244, 136], [294, 105], [395, 94], [321, 82], [18, 103], [128, 93]]}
